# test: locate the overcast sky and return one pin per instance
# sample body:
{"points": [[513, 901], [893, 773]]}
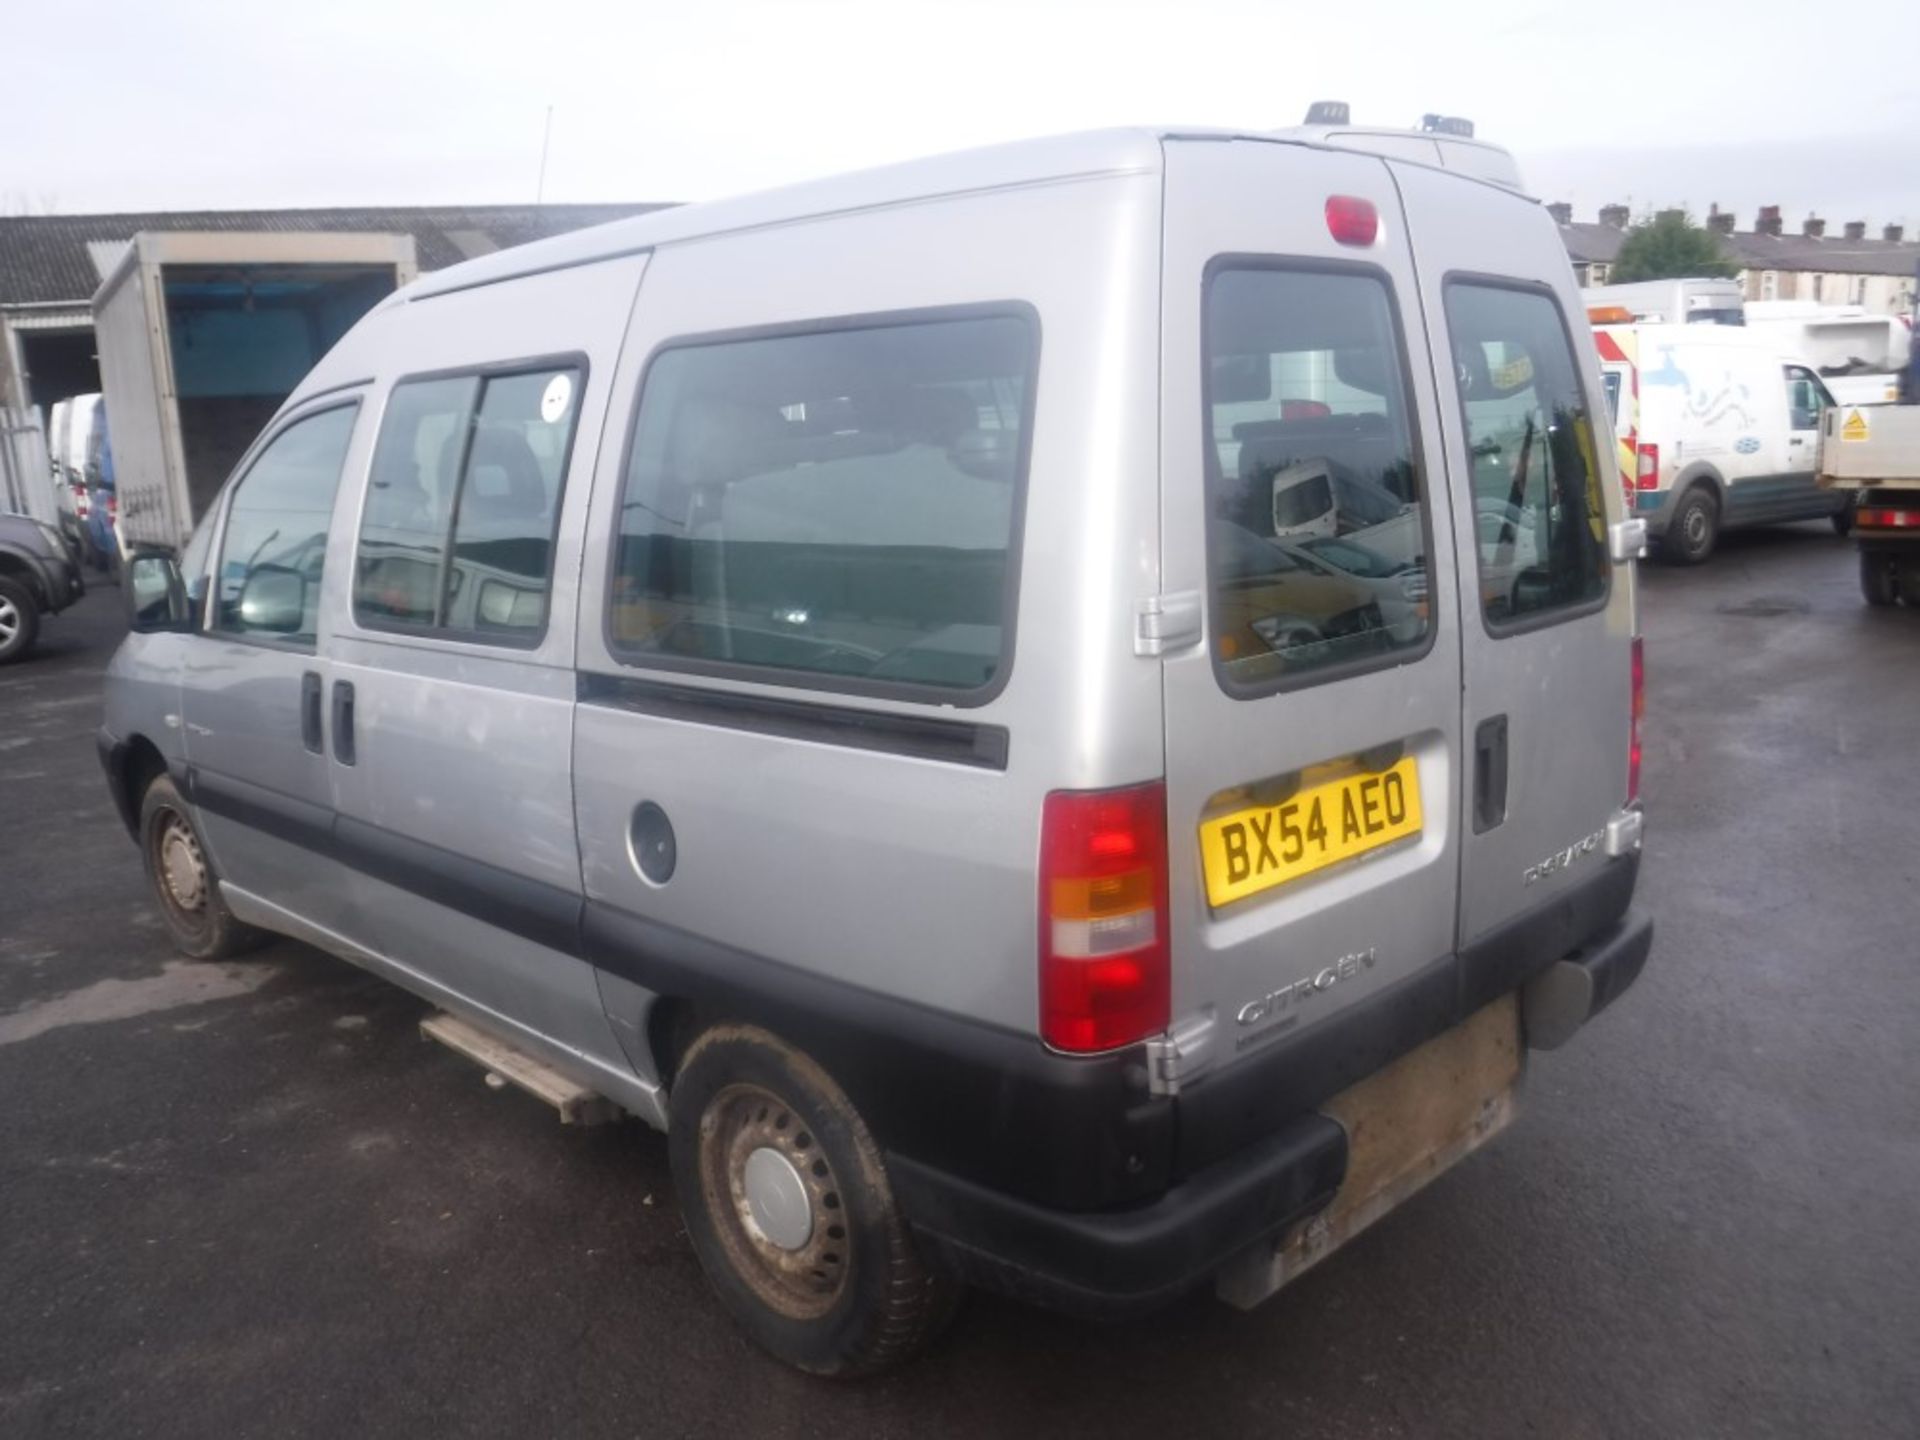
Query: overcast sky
{"points": [[202, 104]]}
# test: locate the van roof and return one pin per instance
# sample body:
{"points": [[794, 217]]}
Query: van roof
{"points": [[1089, 155]]}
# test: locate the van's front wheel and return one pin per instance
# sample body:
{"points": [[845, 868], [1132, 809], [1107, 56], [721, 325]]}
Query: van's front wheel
{"points": [[785, 1196], [184, 882]]}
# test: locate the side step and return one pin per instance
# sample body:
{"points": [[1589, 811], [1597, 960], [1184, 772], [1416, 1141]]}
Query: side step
{"points": [[504, 1064]]}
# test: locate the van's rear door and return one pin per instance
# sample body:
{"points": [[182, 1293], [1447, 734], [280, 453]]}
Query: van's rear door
{"points": [[1546, 622], [1313, 718]]}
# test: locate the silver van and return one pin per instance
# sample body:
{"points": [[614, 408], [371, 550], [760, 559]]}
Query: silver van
{"points": [[1059, 717]]}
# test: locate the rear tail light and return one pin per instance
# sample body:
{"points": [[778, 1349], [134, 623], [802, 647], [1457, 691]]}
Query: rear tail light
{"points": [[1352, 221], [1639, 710], [1104, 965], [1877, 518], [1647, 475]]}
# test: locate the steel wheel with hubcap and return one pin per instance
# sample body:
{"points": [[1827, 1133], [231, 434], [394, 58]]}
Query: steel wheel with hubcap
{"points": [[776, 1200], [19, 620], [785, 1196], [183, 879]]}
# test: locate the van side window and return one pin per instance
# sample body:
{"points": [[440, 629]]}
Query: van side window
{"points": [[834, 506], [1538, 511], [1806, 398], [457, 536], [1317, 509], [275, 547]]}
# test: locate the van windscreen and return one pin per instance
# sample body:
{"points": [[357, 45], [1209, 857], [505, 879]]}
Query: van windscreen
{"points": [[835, 507]]}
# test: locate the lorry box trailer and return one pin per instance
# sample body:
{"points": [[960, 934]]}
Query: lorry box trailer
{"points": [[202, 336]]}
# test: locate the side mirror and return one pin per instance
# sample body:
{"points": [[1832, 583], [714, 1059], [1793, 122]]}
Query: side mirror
{"points": [[273, 600], [156, 596]]}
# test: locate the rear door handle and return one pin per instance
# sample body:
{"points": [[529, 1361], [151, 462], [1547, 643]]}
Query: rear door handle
{"points": [[1489, 774], [343, 721], [310, 712]]}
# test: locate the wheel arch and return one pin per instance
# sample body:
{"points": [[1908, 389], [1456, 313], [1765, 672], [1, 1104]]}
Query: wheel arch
{"points": [[15, 564], [132, 765]]}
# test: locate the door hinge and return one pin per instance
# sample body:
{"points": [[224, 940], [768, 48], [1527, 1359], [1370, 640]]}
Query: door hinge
{"points": [[1177, 1055], [1627, 540], [1166, 622]]}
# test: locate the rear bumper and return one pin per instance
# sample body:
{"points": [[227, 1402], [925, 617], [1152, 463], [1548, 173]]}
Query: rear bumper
{"points": [[1569, 960], [1117, 1263]]}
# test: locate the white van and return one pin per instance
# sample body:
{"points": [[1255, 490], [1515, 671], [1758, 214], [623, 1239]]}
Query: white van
{"points": [[1724, 429]]}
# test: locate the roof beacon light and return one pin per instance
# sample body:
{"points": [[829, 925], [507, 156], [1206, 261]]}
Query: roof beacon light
{"points": [[1352, 221], [1447, 125], [1329, 112]]}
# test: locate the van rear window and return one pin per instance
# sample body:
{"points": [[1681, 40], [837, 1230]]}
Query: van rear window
{"points": [[836, 507], [1535, 467], [1317, 511]]}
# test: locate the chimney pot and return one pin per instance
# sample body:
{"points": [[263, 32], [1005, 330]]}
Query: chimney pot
{"points": [[1769, 222], [1856, 229], [1813, 227], [1561, 212], [1615, 215], [1893, 233]]}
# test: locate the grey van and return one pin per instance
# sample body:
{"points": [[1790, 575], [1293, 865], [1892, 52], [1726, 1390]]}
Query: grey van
{"points": [[845, 676]]}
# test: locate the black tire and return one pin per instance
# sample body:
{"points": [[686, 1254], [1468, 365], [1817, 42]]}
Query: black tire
{"points": [[854, 1294], [19, 619], [1693, 527], [184, 881], [1842, 520], [1878, 581]]}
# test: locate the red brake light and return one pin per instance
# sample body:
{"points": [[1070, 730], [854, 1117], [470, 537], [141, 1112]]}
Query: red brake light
{"points": [[1876, 519], [1104, 968], [1647, 476], [1351, 220], [1639, 710]]}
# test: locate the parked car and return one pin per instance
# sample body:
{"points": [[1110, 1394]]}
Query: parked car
{"points": [[785, 667], [86, 445], [103, 527], [38, 577], [70, 523]]}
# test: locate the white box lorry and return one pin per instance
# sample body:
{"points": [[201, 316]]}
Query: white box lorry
{"points": [[202, 335]]}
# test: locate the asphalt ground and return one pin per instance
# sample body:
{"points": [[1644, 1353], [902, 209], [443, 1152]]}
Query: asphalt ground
{"points": [[249, 1200]]}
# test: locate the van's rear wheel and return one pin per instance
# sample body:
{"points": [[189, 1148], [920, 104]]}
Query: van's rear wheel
{"points": [[1878, 581], [1694, 526], [184, 882], [786, 1198]]}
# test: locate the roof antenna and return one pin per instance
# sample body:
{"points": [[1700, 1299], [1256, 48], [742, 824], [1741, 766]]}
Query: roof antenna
{"points": [[546, 135]]}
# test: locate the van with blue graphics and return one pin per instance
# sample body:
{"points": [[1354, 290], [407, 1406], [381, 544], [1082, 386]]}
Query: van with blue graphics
{"points": [[1017, 705], [1726, 432]]}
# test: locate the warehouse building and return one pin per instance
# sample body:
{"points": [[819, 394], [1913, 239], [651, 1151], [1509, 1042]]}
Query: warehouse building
{"points": [[50, 265]]}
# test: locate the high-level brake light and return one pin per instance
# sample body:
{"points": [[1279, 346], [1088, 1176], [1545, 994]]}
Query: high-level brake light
{"points": [[1352, 221]]}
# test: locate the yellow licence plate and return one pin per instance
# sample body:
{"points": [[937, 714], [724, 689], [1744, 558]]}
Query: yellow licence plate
{"points": [[1253, 849]]}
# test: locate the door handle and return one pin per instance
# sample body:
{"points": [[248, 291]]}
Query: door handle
{"points": [[310, 712], [1489, 774], [343, 721]]}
